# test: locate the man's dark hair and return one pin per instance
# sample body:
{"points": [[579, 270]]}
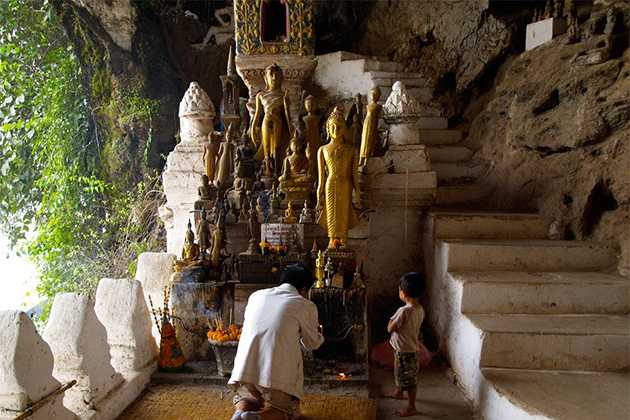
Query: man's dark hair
{"points": [[413, 284], [298, 276]]}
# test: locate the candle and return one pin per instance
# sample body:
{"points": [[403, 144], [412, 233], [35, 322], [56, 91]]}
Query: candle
{"points": [[231, 314]]}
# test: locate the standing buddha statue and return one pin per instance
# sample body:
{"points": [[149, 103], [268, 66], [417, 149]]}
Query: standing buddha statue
{"points": [[338, 176], [271, 126], [225, 170], [311, 121], [370, 126]]}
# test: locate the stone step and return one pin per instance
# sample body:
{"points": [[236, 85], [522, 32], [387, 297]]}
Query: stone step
{"points": [[433, 123], [440, 137], [521, 292], [409, 81], [461, 195], [459, 173], [528, 255], [420, 94], [471, 225], [517, 394], [396, 75], [554, 342], [449, 154], [389, 66]]}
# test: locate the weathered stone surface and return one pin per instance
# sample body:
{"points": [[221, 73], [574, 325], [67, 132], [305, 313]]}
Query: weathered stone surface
{"points": [[26, 365], [121, 308], [80, 349]]}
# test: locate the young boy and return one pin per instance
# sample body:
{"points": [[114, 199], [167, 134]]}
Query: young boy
{"points": [[404, 327]]}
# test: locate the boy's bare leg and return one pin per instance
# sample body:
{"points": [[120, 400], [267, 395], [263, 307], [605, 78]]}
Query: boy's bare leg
{"points": [[410, 409], [398, 394], [245, 406]]}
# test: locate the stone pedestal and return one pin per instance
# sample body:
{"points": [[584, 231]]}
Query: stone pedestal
{"points": [[544, 31], [79, 345], [26, 365], [193, 304], [403, 133], [182, 177], [154, 273], [121, 308], [297, 72]]}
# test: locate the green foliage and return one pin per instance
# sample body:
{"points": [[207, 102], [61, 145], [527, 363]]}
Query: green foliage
{"points": [[82, 227]]}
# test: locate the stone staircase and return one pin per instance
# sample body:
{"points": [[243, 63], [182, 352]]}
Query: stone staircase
{"points": [[535, 329], [344, 74]]}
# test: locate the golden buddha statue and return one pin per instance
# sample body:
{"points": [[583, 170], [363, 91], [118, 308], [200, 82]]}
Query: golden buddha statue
{"points": [[296, 179], [217, 244], [225, 169], [311, 121], [319, 271], [289, 214], [271, 126], [191, 254], [334, 192], [370, 126], [210, 151]]}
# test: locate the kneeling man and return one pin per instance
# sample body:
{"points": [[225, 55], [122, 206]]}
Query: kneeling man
{"points": [[268, 363]]}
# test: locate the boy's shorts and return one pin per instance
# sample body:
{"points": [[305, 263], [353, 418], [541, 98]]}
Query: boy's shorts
{"points": [[406, 370], [255, 395]]}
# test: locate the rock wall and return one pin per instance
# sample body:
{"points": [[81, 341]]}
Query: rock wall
{"points": [[556, 137]]}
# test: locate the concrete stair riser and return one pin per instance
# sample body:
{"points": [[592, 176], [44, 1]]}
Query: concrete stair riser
{"points": [[449, 154], [529, 255], [599, 353], [545, 298], [517, 394], [440, 137], [461, 195], [373, 65], [490, 225], [459, 173], [433, 123]]}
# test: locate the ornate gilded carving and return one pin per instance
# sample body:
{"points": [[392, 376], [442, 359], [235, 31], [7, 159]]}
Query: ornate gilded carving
{"points": [[301, 34]]}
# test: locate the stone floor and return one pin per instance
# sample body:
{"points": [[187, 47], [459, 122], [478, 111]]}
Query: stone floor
{"points": [[437, 398]]}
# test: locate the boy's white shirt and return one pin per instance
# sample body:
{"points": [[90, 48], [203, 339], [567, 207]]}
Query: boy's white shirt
{"points": [[408, 319], [278, 321]]}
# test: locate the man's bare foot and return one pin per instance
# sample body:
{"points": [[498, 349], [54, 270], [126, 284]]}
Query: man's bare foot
{"points": [[398, 395], [406, 412]]}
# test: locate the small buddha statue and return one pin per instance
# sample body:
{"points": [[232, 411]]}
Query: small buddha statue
{"points": [[369, 135], [337, 280], [319, 271], [271, 126], [225, 169], [191, 255], [549, 9], [289, 214], [338, 176], [273, 215], [210, 151], [598, 47], [572, 27], [557, 9], [239, 189], [217, 244], [357, 280], [296, 179], [260, 210], [312, 121], [330, 271], [305, 216], [206, 191], [243, 216], [203, 232]]}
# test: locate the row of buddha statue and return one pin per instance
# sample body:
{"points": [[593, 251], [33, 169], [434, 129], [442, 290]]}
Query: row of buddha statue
{"points": [[248, 170]]}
